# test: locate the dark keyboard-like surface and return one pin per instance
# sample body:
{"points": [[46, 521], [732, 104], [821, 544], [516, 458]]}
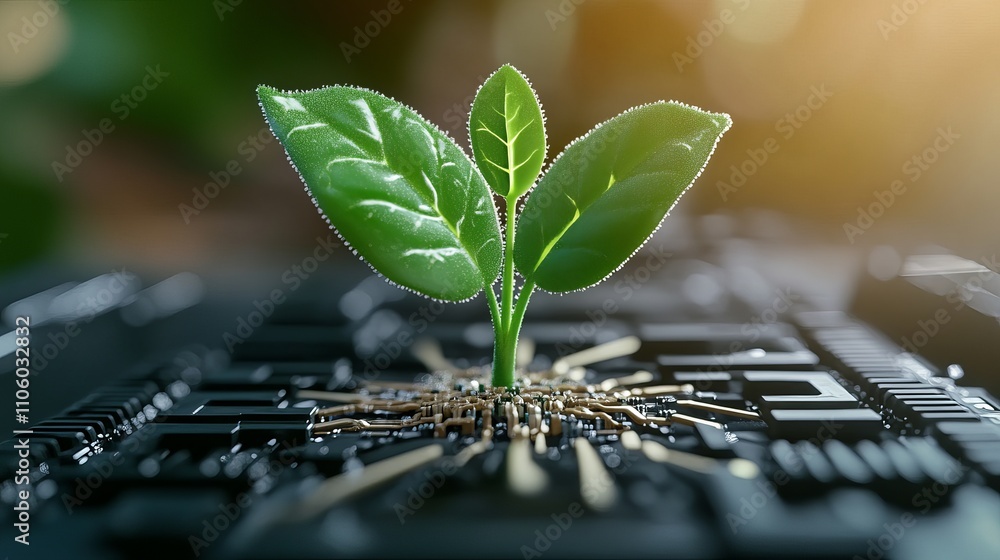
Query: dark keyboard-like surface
{"points": [[768, 431]]}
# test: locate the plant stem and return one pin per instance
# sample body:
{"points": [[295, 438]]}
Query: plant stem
{"points": [[505, 342], [491, 300], [522, 305], [503, 361], [507, 283], [504, 345]]}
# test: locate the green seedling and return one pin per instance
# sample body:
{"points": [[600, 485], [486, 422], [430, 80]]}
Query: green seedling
{"points": [[412, 204]]}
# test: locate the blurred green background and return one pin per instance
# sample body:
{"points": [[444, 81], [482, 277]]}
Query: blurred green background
{"points": [[183, 177]]}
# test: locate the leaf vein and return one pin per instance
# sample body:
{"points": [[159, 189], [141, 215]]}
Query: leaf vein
{"points": [[494, 134], [528, 158], [518, 133]]}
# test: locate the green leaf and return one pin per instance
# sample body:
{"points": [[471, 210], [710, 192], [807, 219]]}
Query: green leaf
{"points": [[606, 194], [507, 132], [398, 190]]}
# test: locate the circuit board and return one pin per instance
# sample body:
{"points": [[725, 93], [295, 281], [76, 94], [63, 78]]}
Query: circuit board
{"points": [[340, 431]]}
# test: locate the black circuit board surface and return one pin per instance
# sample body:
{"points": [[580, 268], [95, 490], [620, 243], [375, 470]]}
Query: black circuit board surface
{"points": [[363, 425]]}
